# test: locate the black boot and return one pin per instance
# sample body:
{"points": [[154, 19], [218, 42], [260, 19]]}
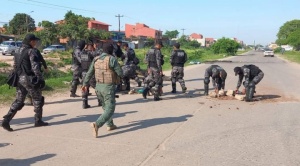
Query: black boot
{"points": [[74, 88], [173, 90], [139, 84], [38, 116], [7, 118], [156, 98], [128, 86], [85, 104], [184, 89], [99, 103], [145, 92], [40, 123]]}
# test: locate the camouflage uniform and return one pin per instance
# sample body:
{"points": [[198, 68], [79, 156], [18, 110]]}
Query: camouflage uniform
{"points": [[218, 75], [106, 78], [76, 68], [44, 64], [177, 60], [253, 75], [29, 68], [129, 68], [87, 57], [154, 78]]}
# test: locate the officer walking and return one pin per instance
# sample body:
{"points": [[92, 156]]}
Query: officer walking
{"points": [[253, 75], [30, 81], [76, 67], [218, 75], [154, 60], [130, 62], [107, 72], [44, 64], [177, 60]]}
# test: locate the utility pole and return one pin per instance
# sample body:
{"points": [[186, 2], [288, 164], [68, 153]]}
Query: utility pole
{"points": [[182, 31], [27, 25], [119, 18]]}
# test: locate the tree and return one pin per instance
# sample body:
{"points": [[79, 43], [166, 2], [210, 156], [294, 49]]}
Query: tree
{"points": [[48, 34], [294, 39], [20, 23], [286, 31], [185, 42], [75, 27], [171, 34], [225, 46]]}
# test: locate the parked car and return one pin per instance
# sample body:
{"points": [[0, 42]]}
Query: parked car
{"points": [[268, 52], [9, 47], [194, 62], [53, 48]]}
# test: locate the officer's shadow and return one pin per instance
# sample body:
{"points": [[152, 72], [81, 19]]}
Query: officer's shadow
{"points": [[77, 99], [142, 124], [81, 118], [25, 162]]}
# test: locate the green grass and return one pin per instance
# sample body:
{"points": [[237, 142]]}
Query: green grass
{"points": [[54, 83], [293, 56], [3, 64]]}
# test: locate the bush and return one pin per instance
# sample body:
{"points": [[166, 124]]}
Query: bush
{"points": [[3, 64]]}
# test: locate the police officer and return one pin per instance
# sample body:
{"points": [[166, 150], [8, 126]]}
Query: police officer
{"points": [[154, 60], [30, 81], [118, 50], [253, 75], [76, 67], [218, 75], [44, 64], [107, 72], [129, 68], [177, 60], [87, 56]]}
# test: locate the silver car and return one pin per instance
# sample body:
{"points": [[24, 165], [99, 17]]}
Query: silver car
{"points": [[9, 47], [54, 48]]}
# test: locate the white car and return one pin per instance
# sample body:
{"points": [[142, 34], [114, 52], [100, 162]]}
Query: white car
{"points": [[194, 62], [9, 47], [53, 48], [268, 52]]}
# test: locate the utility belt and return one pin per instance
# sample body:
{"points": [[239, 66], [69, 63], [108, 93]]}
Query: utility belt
{"points": [[179, 64], [153, 64]]}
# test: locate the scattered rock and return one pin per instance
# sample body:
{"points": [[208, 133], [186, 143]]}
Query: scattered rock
{"points": [[222, 93], [237, 108], [240, 97], [212, 94], [210, 106], [132, 91], [230, 93]]}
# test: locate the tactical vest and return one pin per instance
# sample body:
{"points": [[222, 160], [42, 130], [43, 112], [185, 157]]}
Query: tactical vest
{"points": [[254, 70], [74, 59], [103, 73], [152, 58], [179, 58], [26, 64], [86, 60]]}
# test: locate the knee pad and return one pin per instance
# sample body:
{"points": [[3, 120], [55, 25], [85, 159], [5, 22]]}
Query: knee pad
{"points": [[206, 80]]}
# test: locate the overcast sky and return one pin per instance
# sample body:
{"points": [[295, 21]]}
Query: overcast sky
{"points": [[247, 20]]}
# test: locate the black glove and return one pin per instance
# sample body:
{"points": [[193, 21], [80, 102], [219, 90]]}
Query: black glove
{"points": [[42, 84], [38, 83]]}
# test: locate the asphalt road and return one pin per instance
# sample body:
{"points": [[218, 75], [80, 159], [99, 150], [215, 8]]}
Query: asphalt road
{"points": [[182, 129]]}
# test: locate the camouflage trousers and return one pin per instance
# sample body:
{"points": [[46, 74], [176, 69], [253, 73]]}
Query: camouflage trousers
{"points": [[177, 74], [154, 81], [24, 87], [255, 79], [77, 74]]}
